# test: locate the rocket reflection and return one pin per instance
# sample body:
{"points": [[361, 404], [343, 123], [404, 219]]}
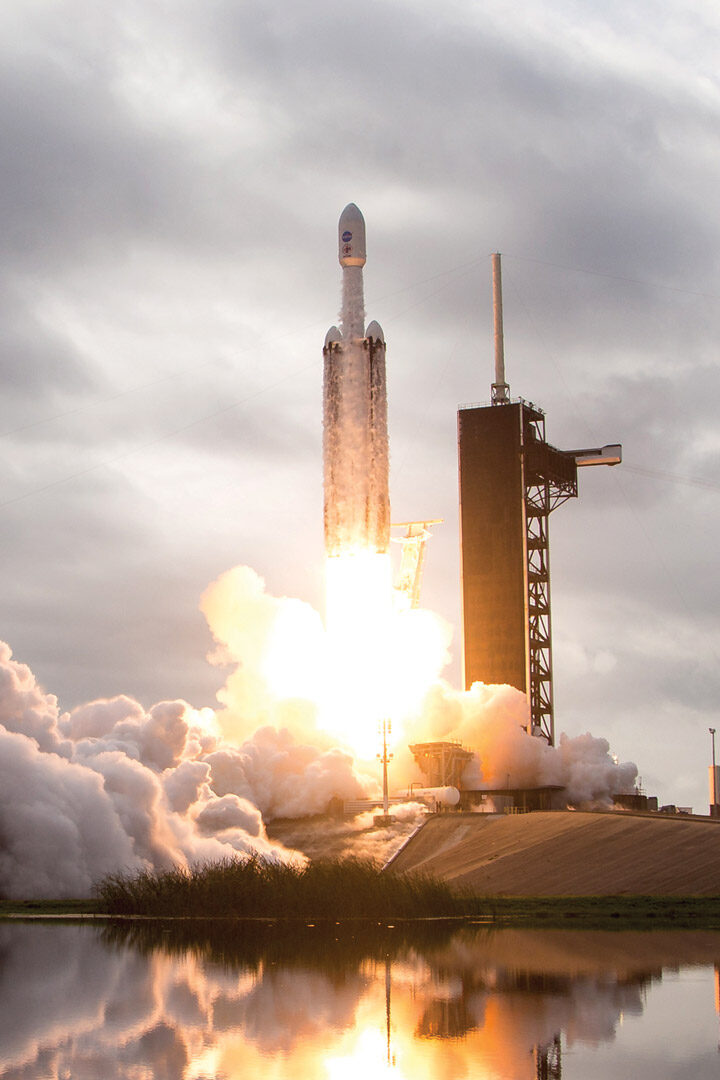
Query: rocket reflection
{"points": [[185, 1001]]}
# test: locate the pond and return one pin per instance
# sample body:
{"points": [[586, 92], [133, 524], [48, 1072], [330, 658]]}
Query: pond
{"points": [[204, 1001]]}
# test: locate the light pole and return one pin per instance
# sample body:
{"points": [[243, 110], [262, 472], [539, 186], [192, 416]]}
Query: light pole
{"points": [[385, 758], [714, 774]]}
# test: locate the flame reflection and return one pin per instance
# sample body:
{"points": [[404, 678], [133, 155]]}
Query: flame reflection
{"points": [[184, 1001]]}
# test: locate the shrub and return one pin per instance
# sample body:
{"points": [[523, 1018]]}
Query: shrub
{"points": [[254, 885]]}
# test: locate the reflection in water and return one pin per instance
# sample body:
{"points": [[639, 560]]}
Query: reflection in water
{"points": [[548, 1060], [188, 1001]]}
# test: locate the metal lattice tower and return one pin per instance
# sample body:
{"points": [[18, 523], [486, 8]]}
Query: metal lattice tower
{"points": [[549, 479], [511, 479]]}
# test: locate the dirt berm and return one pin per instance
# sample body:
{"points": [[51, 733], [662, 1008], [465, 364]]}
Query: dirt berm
{"points": [[568, 853]]}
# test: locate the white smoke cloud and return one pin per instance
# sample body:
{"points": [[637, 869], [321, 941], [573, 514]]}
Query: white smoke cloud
{"points": [[184, 785], [27, 709], [491, 721], [229, 812], [59, 826], [276, 647], [111, 786]]}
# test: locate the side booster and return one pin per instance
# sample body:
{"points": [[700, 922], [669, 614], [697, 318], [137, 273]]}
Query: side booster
{"points": [[355, 435]]}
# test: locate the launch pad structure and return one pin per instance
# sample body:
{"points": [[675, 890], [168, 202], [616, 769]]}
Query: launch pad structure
{"points": [[511, 479], [412, 561], [442, 762]]}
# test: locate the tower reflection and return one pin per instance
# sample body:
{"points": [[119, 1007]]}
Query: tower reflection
{"points": [[184, 1001]]}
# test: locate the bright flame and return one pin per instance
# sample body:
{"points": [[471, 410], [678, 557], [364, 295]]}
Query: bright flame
{"points": [[292, 660], [358, 622], [374, 660], [368, 1057], [382, 657]]}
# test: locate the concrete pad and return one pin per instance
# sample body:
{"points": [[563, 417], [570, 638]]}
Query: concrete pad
{"points": [[569, 853]]}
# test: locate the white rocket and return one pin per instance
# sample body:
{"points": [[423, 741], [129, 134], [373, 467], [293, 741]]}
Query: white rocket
{"points": [[355, 442]]}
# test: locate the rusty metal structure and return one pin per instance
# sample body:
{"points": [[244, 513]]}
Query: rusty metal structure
{"points": [[441, 763]]}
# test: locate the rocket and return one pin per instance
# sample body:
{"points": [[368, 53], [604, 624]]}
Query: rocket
{"points": [[355, 435]]}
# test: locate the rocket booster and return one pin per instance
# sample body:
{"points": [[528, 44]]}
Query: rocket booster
{"points": [[355, 437]]}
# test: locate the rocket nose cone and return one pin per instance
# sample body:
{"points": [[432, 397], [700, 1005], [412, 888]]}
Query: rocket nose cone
{"points": [[352, 212], [351, 237]]}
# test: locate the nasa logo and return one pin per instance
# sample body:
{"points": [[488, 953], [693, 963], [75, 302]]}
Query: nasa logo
{"points": [[347, 236]]}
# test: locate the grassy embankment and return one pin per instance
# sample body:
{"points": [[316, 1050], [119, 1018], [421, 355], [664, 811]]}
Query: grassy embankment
{"points": [[356, 889]]}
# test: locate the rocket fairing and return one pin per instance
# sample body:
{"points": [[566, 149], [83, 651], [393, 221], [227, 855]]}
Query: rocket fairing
{"points": [[351, 237], [355, 438]]}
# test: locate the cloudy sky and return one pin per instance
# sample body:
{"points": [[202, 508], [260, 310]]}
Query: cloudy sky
{"points": [[172, 175]]}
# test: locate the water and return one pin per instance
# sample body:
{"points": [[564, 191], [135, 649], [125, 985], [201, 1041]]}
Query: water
{"points": [[178, 1001]]}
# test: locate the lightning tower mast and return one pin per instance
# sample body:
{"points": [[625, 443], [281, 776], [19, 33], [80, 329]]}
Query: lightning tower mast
{"points": [[511, 479]]}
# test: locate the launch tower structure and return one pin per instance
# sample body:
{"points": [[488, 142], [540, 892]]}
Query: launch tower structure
{"points": [[413, 556], [511, 479]]}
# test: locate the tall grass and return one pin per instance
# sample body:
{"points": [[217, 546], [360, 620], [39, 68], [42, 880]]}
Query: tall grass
{"points": [[257, 886]]}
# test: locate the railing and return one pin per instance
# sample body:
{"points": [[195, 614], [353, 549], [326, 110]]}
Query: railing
{"points": [[513, 401]]}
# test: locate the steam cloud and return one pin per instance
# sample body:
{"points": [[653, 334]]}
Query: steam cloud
{"points": [[491, 720], [110, 786]]}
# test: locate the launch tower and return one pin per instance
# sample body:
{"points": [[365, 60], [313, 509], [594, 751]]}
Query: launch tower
{"points": [[511, 479]]}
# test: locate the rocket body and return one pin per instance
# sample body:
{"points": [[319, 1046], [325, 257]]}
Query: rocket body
{"points": [[355, 437]]}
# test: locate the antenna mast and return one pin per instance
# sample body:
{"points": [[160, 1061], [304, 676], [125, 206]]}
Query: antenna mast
{"points": [[500, 391]]}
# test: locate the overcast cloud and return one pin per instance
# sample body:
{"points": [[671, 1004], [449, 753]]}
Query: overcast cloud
{"points": [[170, 184]]}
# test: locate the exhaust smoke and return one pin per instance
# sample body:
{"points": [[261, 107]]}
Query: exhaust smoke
{"points": [[111, 786]]}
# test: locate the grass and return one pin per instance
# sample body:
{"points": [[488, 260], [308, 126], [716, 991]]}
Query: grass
{"points": [[260, 887], [332, 890], [609, 912]]}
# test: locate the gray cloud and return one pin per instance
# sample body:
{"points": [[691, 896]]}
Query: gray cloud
{"points": [[168, 200]]}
